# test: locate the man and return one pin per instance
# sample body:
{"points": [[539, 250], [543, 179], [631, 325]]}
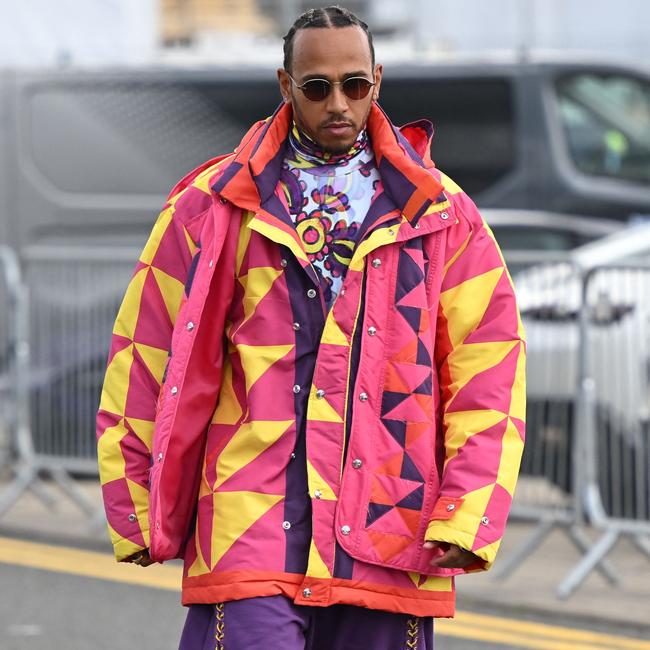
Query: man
{"points": [[315, 391]]}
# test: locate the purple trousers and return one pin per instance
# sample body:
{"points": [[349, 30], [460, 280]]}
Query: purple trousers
{"points": [[276, 622]]}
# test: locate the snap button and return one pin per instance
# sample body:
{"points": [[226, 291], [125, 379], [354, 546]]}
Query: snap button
{"points": [[306, 593], [320, 394], [132, 517], [211, 264], [317, 494], [293, 455], [190, 326], [372, 331], [296, 389], [345, 529], [286, 525], [417, 226], [444, 216], [311, 293], [283, 263], [174, 390], [485, 521], [356, 463], [363, 397], [222, 200], [296, 326], [391, 231], [451, 507], [376, 263], [160, 457]]}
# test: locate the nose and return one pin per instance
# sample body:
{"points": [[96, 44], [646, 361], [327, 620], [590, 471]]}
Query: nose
{"points": [[337, 102]]}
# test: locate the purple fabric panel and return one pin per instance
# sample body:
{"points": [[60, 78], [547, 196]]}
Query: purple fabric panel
{"points": [[268, 178], [269, 622], [395, 183], [308, 313], [346, 627], [228, 174], [275, 622]]}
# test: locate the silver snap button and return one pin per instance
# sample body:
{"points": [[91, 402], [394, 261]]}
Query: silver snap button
{"points": [[372, 331], [417, 226], [376, 263], [311, 293], [356, 463], [286, 525], [283, 263], [306, 593], [342, 293], [296, 389], [345, 529], [391, 231], [174, 390], [293, 455], [444, 216], [451, 507], [485, 521], [320, 394], [317, 494], [223, 201], [157, 525], [132, 517], [363, 397], [160, 457], [190, 326], [211, 264], [296, 326]]}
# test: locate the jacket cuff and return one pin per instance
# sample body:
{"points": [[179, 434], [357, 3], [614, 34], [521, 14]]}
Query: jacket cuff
{"points": [[125, 548], [449, 523]]}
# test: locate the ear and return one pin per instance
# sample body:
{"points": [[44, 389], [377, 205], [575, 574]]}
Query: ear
{"points": [[285, 85], [379, 70]]}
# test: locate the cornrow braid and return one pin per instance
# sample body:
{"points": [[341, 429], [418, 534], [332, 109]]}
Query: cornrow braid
{"points": [[332, 16]]}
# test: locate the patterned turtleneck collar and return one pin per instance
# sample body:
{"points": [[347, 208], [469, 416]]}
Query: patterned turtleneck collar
{"points": [[308, 151]]}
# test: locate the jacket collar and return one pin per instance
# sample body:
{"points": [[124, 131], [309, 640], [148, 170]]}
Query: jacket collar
{"points": [[402, 156]]}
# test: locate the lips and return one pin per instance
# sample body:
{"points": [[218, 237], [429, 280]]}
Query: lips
{"points": [[339, 128]]}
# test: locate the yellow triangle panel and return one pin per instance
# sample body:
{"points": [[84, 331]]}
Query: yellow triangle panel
{"points": [[257, 359], [251, 439], [234, 514]]}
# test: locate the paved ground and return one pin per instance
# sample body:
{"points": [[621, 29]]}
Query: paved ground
{"points": [[78, 586]]}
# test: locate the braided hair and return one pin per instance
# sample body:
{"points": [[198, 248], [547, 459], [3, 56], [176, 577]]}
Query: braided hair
{"points": [[332, 16]]}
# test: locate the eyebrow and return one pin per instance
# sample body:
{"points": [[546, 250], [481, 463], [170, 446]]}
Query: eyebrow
{"points": [[347, 75]]}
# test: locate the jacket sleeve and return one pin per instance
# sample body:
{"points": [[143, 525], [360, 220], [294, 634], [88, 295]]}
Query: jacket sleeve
{"points": [[138, 356], [480, 356]]}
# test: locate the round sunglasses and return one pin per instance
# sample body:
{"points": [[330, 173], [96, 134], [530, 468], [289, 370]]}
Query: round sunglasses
{"points": [[316, 90]]}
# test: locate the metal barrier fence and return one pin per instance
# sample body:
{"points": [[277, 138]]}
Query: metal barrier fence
{"points": [[614, 451], [586, 459], [74, 294]]}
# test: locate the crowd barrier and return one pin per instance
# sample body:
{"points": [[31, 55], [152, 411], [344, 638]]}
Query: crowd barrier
{"points": [[73, 294], [586, 461]]}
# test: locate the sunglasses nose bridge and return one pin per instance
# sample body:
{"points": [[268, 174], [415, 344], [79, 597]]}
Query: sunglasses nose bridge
{"points": [[336, 96]]}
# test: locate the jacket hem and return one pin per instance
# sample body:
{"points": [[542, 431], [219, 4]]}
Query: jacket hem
{"points": [[236, 585]]}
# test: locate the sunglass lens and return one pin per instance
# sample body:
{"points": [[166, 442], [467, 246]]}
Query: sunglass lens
{"points": [[316, 90], [356, 87]]}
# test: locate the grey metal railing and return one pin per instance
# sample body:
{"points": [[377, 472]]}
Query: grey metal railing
{"points": [[68, 302]]}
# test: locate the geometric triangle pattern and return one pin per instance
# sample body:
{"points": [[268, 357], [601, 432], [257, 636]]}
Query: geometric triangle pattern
{"points": [[480, 353]]}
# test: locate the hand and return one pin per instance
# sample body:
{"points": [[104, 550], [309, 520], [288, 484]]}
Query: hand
{"points": [[454, 557], [141, 558]]}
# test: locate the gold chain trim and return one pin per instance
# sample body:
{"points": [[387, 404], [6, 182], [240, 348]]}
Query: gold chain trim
{"points": [[412, 633], [218, 635]]}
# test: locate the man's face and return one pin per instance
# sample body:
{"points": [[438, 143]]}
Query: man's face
{"points": [[334, 54]]}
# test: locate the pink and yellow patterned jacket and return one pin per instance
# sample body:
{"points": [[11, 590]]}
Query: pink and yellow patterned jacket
{"points": [[283, 449]]}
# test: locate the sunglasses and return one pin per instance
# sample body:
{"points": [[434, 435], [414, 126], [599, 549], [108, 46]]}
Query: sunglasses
{"points": [[316, 90]]}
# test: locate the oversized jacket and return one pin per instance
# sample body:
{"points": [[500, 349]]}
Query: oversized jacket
{"points": [[283, 449]]}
